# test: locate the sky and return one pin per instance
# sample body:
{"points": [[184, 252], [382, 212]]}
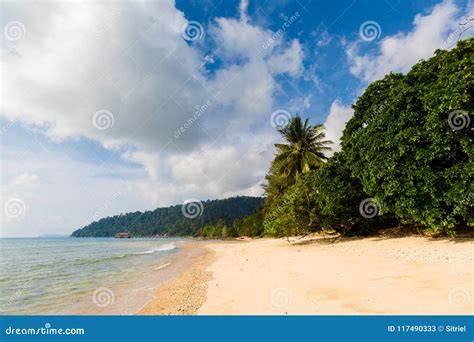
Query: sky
{"points": [[114, 107]]}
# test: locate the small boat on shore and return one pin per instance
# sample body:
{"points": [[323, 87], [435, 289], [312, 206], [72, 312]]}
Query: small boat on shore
{"points": [[123, 235]]}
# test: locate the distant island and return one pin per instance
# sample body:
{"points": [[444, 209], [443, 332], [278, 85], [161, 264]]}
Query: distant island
{"points": [[189, 219], [52, 236]]}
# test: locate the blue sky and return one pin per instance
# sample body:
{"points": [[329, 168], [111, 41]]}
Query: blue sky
{"points": [[111, 107], [328, 23]]}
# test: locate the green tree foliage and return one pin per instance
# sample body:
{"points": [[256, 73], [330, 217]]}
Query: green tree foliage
{"points": [[409, 146], [303, 151], [275, 186], [324, 199], [217, 231], [250, 225], [338, 200], [293, 213], [171, 221], [402, 147]]}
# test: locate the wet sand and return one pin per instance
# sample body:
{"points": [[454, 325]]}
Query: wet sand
{"points": [[186, 293]]}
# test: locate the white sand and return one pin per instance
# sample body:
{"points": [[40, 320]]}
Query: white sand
{"points": [[410, 275]]}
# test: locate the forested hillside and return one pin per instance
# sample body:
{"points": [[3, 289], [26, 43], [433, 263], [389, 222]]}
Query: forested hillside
{"points": [[178, 220]]}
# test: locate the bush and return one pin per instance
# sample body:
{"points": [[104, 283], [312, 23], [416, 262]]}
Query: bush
{"points": [[338, 204], [409, 143], [251, 225], [324, 199]]}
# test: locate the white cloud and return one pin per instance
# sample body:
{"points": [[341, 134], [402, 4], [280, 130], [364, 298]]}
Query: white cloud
{"points": [[60, 194], [239, 39], [213, 172], [246, 90], [129, 58], [324, 39], [150, 161], [26, 180], [219, 169], [300, 105], [399, 52], [246, 84], [335, 122], [243, 7], [73, 66], [290, 61]]}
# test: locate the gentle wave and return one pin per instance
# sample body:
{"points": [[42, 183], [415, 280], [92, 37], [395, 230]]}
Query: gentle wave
{"points": [[59, 276], [162, 266], [165, 247]]}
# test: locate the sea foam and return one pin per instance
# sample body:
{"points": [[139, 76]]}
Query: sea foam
{"points": [[163, 248]]}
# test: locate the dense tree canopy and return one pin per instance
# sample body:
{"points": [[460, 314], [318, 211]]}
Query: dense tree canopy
{"points": [[172, 221], [406, 154], [304, 150], [406, 147]]}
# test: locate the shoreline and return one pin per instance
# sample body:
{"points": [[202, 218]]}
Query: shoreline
{"points": [[185, 293], [354, 276]]}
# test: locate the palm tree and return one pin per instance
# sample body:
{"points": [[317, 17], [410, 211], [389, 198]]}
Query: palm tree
{"points": [[303, 151]]}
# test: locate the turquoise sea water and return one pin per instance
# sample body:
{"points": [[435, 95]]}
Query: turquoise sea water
{"points": [[83, 275]]}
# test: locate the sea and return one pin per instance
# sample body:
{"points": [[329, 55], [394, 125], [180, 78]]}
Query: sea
{"points": [[60, 276]]}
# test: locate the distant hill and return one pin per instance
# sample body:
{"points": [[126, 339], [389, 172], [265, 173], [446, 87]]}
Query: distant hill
{"points": [[171, 220]]}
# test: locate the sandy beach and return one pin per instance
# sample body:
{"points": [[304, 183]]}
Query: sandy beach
{"points": [[185, 293], [408, 275]]}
